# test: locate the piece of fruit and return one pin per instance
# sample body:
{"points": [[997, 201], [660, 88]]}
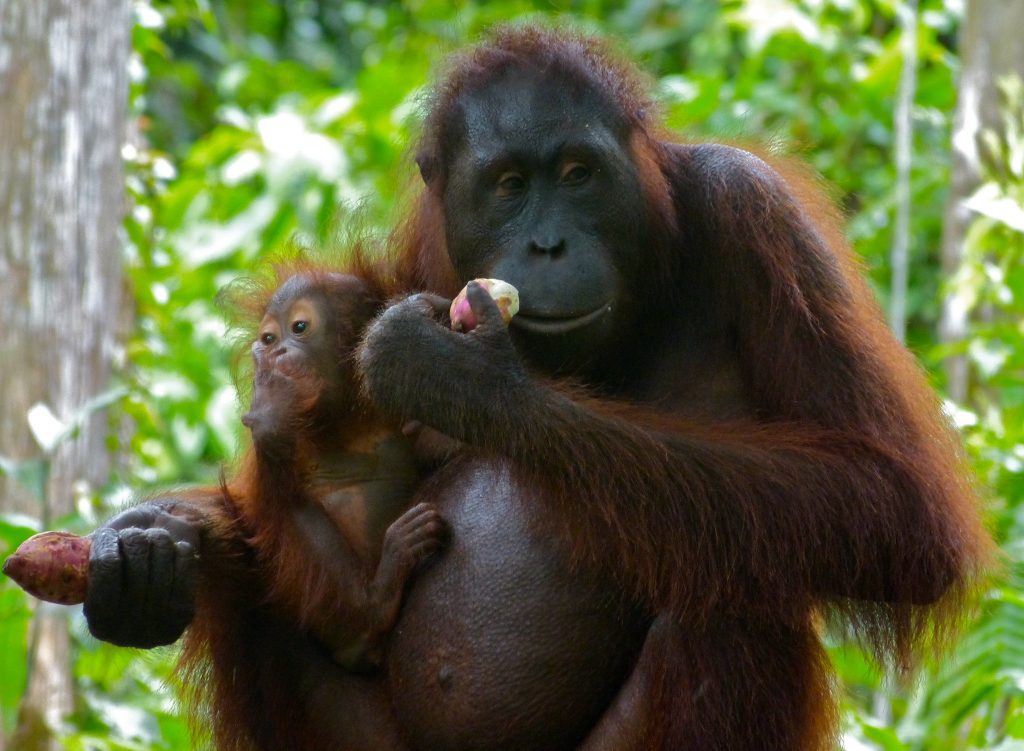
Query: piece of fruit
{"points": [[504, 295], [53, 566]]}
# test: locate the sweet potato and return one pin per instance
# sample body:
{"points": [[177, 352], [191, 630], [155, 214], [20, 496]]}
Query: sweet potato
{"points": [[504, 294], [53, 566]]}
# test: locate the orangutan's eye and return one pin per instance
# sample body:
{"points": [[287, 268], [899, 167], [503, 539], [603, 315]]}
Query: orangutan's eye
{"points": [[299, 327], [510, 183], [574, 173], [268, 339]]}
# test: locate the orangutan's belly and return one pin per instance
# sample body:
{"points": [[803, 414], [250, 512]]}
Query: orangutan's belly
{"points": [[499, 646]]}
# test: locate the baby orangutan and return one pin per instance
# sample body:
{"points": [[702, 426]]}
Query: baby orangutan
{"points": [[324, 500], [306, 549]]}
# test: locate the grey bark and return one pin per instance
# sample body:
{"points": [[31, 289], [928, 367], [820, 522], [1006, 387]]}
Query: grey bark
{"points": [[63, 101], [990, 47], [904, 127]]}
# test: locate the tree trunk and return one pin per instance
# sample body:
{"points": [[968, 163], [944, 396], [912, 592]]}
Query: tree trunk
{"points": [[990, 47], [63, 74], [904, 129]]}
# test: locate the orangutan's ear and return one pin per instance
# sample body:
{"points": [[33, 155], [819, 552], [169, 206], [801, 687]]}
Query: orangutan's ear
{"points": [[428, 167]]}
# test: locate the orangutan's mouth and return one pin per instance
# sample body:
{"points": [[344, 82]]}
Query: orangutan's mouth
{"points": [[549, 325]]}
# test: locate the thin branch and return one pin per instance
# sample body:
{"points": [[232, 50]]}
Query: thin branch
{"points": [[904, 127]]}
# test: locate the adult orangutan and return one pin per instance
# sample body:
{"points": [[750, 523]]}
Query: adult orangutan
{"points": [[743, 446]]}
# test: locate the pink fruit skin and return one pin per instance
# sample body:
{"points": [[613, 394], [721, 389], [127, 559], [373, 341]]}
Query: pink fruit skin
{"points": [[462, 314], [53, 566]]}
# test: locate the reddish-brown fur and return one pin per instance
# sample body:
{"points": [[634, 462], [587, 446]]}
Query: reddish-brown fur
{"points": [[247, 654], [838, 492], [845, 497]]}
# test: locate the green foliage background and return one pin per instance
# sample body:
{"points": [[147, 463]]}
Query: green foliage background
{"points": [[263, 124]]}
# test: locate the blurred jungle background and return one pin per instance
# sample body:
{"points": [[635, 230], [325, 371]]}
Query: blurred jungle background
{"points": [[152, 151]]}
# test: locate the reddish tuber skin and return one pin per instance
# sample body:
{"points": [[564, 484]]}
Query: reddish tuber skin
{"points": [[504, 294], [53, 566]]}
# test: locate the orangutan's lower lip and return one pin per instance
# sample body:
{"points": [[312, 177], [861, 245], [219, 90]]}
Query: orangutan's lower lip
{"points": [[555, 324]]}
